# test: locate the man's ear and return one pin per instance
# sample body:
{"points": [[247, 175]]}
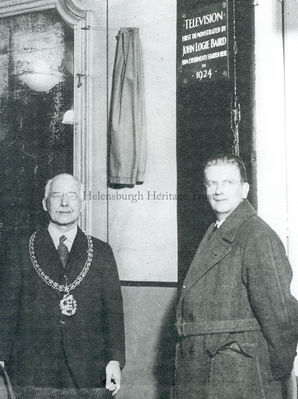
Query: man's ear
{"points": [[83, 205], [245, 190], [44, 204]]}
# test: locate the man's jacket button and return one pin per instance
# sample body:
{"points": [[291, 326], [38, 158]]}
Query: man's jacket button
{"points": [[191, 350], [190, 316]]}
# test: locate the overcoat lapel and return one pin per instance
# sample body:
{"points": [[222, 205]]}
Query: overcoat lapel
{"points": [[212, 251], [192, 271]]}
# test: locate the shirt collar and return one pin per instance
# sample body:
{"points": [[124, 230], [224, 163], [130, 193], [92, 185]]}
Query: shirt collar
{"points": [[56, 234], [233, 222], [218, 223]]}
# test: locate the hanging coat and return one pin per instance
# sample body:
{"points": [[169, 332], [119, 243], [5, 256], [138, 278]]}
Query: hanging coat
{"points": [[127, 151]]}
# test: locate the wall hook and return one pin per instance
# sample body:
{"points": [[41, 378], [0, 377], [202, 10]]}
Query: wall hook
{"points": [[80, 76]]}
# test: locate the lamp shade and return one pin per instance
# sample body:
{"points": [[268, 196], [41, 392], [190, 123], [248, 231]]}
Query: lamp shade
{"points": [[41, 78]]}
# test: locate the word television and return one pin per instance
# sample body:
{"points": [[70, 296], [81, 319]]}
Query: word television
{"points": [[204, 20]]}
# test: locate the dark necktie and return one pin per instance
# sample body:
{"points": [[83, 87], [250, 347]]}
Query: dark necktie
{"points": [[62, 250], [214, 230]]}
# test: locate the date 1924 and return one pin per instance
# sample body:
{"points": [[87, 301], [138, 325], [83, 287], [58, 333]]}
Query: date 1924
{"points": [[204, 74]]}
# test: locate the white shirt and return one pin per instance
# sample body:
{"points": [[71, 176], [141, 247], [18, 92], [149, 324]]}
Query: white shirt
{"points": [[56, 234], [218, 223]]}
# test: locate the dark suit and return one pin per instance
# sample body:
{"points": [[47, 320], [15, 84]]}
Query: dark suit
{"points": [[236, 317], [33, 332]]}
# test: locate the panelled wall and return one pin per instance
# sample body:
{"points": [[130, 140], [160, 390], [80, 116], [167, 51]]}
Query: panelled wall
{"points": [[142, 227]]}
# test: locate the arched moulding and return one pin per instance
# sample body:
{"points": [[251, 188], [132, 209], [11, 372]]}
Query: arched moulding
{"points": [[79, 19], [71, 13], [68, 10]]}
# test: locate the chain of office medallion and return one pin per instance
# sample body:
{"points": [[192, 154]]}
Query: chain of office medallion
{"points": [[51, 283]]}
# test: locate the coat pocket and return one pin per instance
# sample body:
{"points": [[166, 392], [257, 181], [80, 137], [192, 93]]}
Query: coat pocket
{"points": [[235, 373]]}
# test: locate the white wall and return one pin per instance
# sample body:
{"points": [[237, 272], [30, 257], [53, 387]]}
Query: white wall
{"points": [[276, 126], [291, 89], [270, 117], [143, 234]]}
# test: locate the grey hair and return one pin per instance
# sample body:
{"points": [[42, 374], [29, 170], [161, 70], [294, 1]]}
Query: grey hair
{"points": [[50, 182]]}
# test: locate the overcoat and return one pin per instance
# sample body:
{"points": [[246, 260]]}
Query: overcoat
{"points": [[236, 317], [32, 327]]}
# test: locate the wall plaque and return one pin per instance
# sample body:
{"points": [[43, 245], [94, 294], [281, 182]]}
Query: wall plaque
{"points": [[204, 44]]}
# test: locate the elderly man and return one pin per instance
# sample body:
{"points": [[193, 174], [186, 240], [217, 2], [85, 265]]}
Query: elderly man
{"points": [[236, 317], [61, 315]]}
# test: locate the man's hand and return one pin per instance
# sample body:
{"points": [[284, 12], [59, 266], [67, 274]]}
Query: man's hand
{"points": [[291, 386], [2, 363], [113, 376]]}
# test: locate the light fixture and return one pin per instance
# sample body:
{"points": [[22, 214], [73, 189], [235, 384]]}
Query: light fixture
{"points": [[41, 78], [68, 117]]}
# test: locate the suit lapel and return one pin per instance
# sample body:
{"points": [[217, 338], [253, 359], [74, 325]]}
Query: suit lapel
{"points": [[49, 260], [48, 257], [77, 256]]}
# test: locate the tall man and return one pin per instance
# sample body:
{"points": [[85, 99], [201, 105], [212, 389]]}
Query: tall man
{"points": [[61, 315], [237, 320]]}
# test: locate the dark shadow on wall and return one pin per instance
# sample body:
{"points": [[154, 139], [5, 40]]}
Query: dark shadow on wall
{"points": [[164, 367]]}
